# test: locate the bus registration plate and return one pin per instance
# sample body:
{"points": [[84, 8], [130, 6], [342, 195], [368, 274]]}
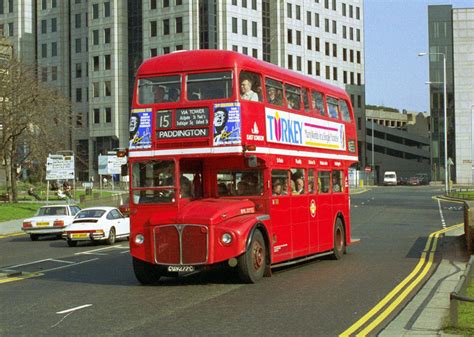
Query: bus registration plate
{"points": [[180, 268]]}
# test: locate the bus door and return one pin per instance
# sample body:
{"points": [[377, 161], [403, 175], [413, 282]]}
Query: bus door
{"points": [[313, 209], [299, 212], [324, 211], [280, 206]]}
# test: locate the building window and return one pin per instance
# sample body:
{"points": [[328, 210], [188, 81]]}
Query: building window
{"points": [[289, 36], [316, 19], [234, 2], [344, 76], [44, 74], [95, 89], [43, 4], [298, 63], [358, 35], [79, 120], [298, 12], [54, 25], [44, 50], [334, 50], [254, 4], [351, 33], [359, 79], [316, 44], [298, 38], [245, 50], [78, 45], [107, 9], [334, 73], [153, 28], [166, 27], [166, 3], [95, 11], [96, 116], [327, 49], [344, 54], [357, 13], [10, 6], [351, 11], [78, 70], [179, 47], [54, 73], [179, 25], [78, 94], [254, 29], [326, 4], [334, 27], [244, 27], [290, 62], [358, 57], [334, 7], [234, 26], [107, 35], [77, 21], [54, 49], [309, 42], [344, 32], [328, 72], [153, 4], [308, 18], [318, 69], [44, 26], [153, 52], [54, 3], [309, 67], [108, 115], [344, 13], [108, 88], [244, 3], [166, 50], [326, 25], [96, 63], [95, 37], [255, 53], [235, 48], [107, 62], [289, 10]]}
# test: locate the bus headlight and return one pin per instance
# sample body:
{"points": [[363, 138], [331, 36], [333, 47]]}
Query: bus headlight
{"points": [[139, 239], [226, 238]]}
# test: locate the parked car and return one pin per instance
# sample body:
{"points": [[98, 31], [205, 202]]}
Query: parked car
{"points": [[51, 219], [390, 178], [424, 179], [414, 181], [97, 224], [402, 181]]}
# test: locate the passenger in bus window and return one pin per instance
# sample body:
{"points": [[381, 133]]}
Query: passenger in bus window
{"points": [[159, 94], [222, 189], [299, 186], [336, 182], [246, 91], [293, 101], [277, 188], [173, 95], [242, 188], [273, 97]]}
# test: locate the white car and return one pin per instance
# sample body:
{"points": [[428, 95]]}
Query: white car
{"points": [[51, 219], [97, 224]]}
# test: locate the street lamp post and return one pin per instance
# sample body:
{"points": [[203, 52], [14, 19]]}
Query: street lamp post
{"points": [[445, 105]]}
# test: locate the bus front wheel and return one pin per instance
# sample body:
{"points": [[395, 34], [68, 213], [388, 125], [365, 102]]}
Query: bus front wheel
{"points": [[339, 240], [252, 263], [146, 273]]}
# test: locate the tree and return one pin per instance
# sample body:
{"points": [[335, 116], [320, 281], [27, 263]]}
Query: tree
{"points": [[35, 120]]}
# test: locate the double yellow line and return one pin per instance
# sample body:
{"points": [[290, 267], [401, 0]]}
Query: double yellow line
{"points": [[390, 302]]}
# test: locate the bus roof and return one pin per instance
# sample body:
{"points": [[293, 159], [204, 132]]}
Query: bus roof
{"points": [[208, 59]]}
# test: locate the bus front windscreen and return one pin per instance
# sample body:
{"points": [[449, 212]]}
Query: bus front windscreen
{"points": [[153, 182]]}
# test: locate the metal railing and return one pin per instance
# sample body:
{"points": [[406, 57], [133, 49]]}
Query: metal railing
{"points": [[459, 294]]}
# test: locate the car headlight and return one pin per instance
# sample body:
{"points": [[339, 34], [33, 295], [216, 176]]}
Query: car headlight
{"points": [[226, 238], [139, 239]]}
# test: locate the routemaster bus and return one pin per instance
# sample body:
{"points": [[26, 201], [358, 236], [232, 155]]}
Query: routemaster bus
{"points": [[237, 162]]}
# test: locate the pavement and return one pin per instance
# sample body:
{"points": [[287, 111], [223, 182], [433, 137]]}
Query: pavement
{"points": [[424, 315]]}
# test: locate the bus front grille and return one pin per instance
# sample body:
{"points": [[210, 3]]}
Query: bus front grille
{"points": [[181, 244]]}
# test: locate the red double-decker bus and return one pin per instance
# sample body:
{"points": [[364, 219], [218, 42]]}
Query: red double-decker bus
{"points": [[236, 161]]}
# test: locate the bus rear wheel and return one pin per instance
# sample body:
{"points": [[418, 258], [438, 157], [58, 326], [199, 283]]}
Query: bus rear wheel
{"points": [[253, 262], [339, 240], [147, 273]]}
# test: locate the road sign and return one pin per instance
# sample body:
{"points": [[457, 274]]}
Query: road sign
{"points": [[111, 164], [59, 167]]}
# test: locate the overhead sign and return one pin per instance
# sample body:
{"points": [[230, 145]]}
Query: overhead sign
{"points": [[111, 164], [59, 167]]}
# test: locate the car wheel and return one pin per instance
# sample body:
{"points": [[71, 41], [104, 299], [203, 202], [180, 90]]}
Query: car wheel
{"points": [[147, 273], [339, 240], [111, 239], [59, 236], [71, 243], [34, 237], [252, 263]]}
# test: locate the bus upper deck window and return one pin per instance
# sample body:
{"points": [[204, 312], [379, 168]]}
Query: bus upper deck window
{"points": [[274, 91], [159, 89], [293, 97], [346, 116], [250, 86], [205, 86], [318, 103], [333, 107]]}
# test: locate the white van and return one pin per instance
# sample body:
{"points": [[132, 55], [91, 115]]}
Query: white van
{"points": [[390, 178]]}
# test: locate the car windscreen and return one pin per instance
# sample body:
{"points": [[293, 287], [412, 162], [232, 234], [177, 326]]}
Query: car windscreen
{"points": [[52, 211], [90, 213]]}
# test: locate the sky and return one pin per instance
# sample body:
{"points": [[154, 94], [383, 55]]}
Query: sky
{"points": [[395, 32]]}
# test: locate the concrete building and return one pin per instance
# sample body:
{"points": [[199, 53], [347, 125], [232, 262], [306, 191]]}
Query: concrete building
{"points": [[91, 49], [451, 32], [398, 142]]}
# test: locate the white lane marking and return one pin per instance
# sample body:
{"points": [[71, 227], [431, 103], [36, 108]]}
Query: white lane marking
{"points": [[71, 265], [74, 309], [94, 251], [441, 214], [62, 261], [125, 251], [27, 264]]}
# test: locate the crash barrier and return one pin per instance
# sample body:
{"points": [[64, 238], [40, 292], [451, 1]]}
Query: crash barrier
{"points": [[469, 225], [462, 192], [459, 298]]}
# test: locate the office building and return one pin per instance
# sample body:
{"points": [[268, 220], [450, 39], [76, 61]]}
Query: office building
{"points": [[451, 33], [91, 50]]}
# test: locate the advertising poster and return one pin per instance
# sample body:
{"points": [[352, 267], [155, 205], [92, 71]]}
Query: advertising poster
{"points": [[140, 129], [227, 124]]}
